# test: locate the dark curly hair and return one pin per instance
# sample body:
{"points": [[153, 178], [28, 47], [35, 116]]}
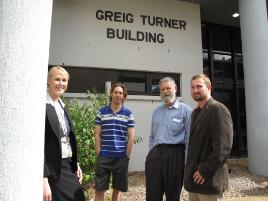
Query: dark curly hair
{"points": [[118, 84]]}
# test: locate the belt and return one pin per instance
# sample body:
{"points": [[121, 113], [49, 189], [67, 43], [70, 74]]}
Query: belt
{"points": [[66, 159], [170, 145]]}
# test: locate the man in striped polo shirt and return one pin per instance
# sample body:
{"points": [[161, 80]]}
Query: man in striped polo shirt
{"points": [[114, 137]]}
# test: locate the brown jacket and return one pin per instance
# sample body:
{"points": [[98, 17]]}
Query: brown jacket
{"points": [[210, 143]]}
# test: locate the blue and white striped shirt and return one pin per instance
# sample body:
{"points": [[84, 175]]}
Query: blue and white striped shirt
{"points": [[114, 128]]}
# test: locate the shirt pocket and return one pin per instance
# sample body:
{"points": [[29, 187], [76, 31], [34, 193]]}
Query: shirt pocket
{"points": [[177, 125]]}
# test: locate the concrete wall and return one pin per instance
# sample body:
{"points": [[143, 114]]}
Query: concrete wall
{"points": [[255, 47], [143, 110], [78, 38], [24, 46]]}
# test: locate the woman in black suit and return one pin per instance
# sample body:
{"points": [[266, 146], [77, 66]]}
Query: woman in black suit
{"points": [[62, 174]]}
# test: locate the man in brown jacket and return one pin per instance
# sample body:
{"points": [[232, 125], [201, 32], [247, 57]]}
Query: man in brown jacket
{"points": [[210, 143]]}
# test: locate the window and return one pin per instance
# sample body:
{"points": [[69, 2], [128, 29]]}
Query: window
{"points": [[204, 29], [225, 94], [205, 63], [223, 63], [240, 69], [221, 37], [155, 78], [237, 40], [137, 82], [83, 79], [223, 68], [242, 122]]}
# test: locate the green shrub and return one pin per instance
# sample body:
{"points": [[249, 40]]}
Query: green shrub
{"points": [[83, 117]]}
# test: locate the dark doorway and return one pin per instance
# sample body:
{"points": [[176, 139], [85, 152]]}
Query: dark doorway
{"points": [[223, 63]]}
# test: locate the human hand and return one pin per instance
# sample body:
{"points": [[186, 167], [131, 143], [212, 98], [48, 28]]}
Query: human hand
{"points": [[128, 155], [79, 173], [198, 179], [47, 196], [97, 149]]}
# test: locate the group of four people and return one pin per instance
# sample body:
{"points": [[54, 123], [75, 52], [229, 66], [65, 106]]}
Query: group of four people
{"points": [[186, 147]]}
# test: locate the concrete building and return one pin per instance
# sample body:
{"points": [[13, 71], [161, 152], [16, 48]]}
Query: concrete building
{"points": [[135, 42], [138, 42]]}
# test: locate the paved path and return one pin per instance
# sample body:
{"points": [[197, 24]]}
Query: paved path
{"points": [[249, 198]]}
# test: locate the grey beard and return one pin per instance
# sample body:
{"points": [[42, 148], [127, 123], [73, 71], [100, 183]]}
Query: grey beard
{"points": [[169, 99]]}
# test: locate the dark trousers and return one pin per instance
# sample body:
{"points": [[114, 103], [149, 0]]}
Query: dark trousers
{"points": [[164, 169], [68, 187]]}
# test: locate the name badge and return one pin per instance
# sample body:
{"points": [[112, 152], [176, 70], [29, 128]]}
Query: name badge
{"points": [[176, 120]]}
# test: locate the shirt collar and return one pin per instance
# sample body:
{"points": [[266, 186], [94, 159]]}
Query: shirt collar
{"points": [[175, 105], [50, 101], [121, 109], [209, 101]]}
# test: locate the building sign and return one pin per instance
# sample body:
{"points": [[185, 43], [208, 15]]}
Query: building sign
{"points": [[140, 35], [145, 20]]}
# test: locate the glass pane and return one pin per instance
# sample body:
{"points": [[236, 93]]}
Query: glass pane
{"points": [[221, 38], [155, 85], [204, 36], [225, 94], [242, 108], [223, 68], [134, 81], [242, 122], [237, 40], [83, 79], [240, 69], [156, 78], [205, 64]]}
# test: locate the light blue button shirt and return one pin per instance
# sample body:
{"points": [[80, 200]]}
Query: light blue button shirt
{"points": [[170, 125]]}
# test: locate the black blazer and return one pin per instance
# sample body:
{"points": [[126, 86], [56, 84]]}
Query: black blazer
{"points": [[52, 152]]}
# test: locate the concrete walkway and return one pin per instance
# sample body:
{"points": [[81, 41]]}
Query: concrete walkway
{"points": [[249, 198]]}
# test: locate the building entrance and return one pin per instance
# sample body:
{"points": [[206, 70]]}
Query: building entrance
{"points": [[223, 63]]}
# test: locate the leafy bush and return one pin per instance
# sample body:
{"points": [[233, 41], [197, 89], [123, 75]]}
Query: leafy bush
{"points": [[83, 117]]}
